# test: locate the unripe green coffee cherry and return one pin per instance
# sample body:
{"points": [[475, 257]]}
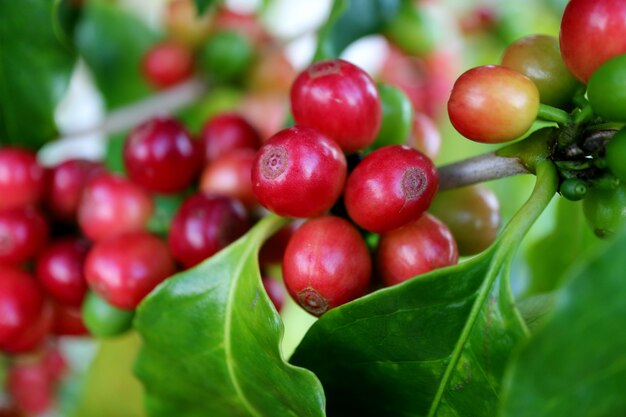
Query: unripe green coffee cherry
{"points": [[605, 210], [573, 189]]}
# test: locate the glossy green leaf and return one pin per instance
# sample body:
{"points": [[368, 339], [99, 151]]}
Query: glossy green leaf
{"points": [[436, 345], [350, 20], [113, 42], [575, 365], [211, 342], [35, 68], [550, 258]]}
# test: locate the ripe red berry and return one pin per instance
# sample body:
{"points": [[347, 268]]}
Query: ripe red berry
{"points": [[273, 249], [112, 205], [60, 270], [417, 248], [66, 185], [23, 233], [68, 321], [425, 136], [299, 172], [389, 188], [203, 225], [125, 268], [21, 178], [275, 291], [34, 335], [226, 132], [30, 387], [161, 156], [167, 63], [592, 32], [230, 175], [340, 100], [21, 302], [326, 264]]}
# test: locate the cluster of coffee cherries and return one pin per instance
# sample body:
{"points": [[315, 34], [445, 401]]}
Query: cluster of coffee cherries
{"points": [[333, 168], [80, 247], [578, 79]]}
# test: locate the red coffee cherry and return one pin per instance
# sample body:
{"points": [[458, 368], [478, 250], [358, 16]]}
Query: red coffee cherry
{"points": [[592, 32], [326, 264], [30, 387], [60, 270], [167, 63], [273, 249], [21, 178], [417, 248], [389, 188], [230, 175], [125, 268], [34, 335], [66, 184], [112, 205], [340, 100], [226, 132], [161, 156], [68, 321], [21, 302], [425, 136], [493, 104], [203, 225], [23, 233], [275, 291], [299, 172]]}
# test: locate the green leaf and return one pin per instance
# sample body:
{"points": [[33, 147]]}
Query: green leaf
{"points": [[436, 345], [35, 68], [113, 42], [550, 258], [350, 20], [203, 5], [575, 365], [211, 342]]}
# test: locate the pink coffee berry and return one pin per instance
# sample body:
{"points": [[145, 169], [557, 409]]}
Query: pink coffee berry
{"points": [[419, 247], [23, 233], [21, 178], [161, 156], [125, 268], [226, 132], [326, 264], [299, 172], [66, 184], [390, 187], [340, 100]]}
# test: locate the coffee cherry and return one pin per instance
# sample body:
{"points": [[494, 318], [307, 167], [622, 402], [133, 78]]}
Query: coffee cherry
{"points": [[226, 132], [299, 172], [30, 387], [103, 319], [68, 321], [161, 156], [21, 302], [225, 57], [230, 175], [538, 57], [60, 270], [493, 104], [275, 291], [273, 249], [203, 225], [397, 117], [616, 154], [23, 233], [21, 178], [326, 264], [592, 31], [573, 189], [125, 268], [112, 205], [605, 210], [425, 136], [389, 188], [182, 22], [472, 214], [34, 335], [340, 100], [66, 184], [606, 89], [167, 64], [419, 247]]}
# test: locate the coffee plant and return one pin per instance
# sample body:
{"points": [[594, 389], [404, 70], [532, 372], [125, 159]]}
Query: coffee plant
{"points": [[431, 225]]}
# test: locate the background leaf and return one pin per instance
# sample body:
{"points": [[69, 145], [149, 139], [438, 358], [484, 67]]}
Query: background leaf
{"points": [[203, 5], [35, 68], [575, 365], [113, 42], [550, 258], [350, 20], [434, 345], [211, 342]]}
